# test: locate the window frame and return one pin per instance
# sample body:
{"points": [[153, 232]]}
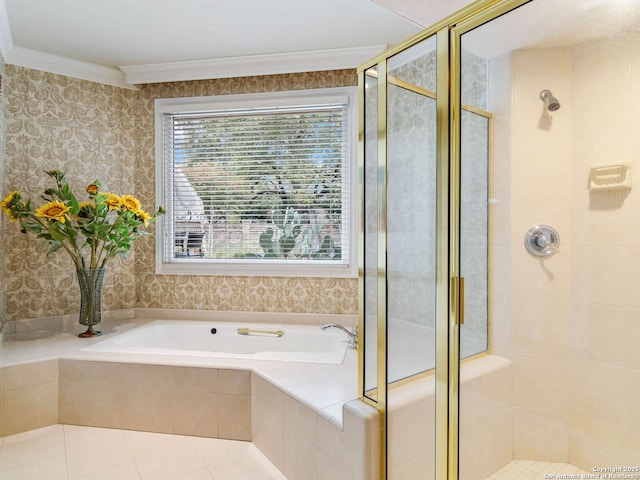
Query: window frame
{"points": [[256, 267]]}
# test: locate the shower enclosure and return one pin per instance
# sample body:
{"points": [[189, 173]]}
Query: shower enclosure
{"points": [[500, 246]]}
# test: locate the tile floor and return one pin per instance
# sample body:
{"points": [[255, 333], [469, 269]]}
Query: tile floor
{"points": [[530, 470], [69, 452]]}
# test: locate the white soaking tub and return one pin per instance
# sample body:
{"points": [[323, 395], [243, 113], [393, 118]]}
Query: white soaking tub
{"points": [[254, 341]]}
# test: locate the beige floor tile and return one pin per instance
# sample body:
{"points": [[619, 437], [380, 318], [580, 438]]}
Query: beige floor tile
{"points": [[212, 450], [250, 465], [168, 463], [50, 468], [123, 471], [142, 443], [76, 437], [93, 458], [530, 470], [202, 474], [70, 452], [28, 447]]}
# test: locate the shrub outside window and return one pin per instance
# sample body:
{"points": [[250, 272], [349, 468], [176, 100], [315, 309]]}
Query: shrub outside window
{"points": [[257, 184]]}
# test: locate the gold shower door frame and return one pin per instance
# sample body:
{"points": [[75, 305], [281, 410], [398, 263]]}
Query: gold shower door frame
{"points": [[449, 284]]}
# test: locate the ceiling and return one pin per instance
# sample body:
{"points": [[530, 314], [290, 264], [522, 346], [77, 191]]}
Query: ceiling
{"points": [[129, 42], [537, 24], [140, 41]]}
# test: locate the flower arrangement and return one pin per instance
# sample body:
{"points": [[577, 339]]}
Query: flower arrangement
{"points": [[92, 231]]}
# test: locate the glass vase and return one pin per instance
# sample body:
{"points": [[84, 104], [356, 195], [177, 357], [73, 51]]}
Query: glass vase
{"points": [[90, 282]]}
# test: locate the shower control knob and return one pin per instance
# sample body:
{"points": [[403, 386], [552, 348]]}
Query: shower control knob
{"points": [[542, 241]]}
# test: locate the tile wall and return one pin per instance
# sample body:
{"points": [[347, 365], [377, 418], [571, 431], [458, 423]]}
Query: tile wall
{"points": [[575, 316], [156, 398], [540, 193], [304, 445], [205, 402], [29, 396], [604, 308]]}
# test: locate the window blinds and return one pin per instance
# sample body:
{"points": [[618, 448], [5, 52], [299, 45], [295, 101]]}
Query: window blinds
{"points": [[258, 184]]}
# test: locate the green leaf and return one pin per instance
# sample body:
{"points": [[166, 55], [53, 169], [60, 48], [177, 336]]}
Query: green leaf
{"points": [[287, 244], [266, 242]]}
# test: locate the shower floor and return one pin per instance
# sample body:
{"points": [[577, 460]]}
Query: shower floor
{"points": [[530, 470]]}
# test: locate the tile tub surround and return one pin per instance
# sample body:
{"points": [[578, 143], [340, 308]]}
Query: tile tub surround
{"points": [[306, 445], [326, 432], [207, 402], [29, 396], [486, 422]]}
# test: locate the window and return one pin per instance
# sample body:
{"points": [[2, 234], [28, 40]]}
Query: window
{"points": [[257, 184]]}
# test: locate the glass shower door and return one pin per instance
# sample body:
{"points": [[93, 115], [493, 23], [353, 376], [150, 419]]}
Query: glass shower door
{"points": [[399, 251], [552, 399], [411, 207], [411, 243]]}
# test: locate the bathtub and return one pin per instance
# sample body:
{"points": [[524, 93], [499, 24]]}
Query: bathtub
{"points": [[298, 343]]}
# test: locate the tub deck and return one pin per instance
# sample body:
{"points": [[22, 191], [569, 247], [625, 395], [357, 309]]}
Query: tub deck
{"points": [[304, 417], [324, 388]]}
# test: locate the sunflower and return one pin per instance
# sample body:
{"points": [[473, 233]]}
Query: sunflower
{"points": [[86, 209], [54, 210], [93, 189], [143, 216], [130, 203], [113, 201], [90, 232], [8, 202]]}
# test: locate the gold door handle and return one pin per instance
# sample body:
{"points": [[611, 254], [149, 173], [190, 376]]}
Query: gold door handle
{"points": [[461, 311], [457, 298]]}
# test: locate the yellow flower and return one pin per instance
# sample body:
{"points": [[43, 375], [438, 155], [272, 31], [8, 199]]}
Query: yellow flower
{"points": [[7, 202], [144, 216], [91, 232], [113, 201], [54, 210], [93, 189], [131, 203], [86, 209]]}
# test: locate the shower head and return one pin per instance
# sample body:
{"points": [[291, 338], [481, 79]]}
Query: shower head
{"points": [[552, 102]]}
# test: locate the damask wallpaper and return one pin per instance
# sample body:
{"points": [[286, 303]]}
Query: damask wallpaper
{"points": [[83, 128], [98, 131], [3, 316]]}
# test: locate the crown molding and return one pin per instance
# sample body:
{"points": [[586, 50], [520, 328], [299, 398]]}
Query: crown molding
{"points": [[129, 76], [6, 39], [46, 62], [251, 65]]}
